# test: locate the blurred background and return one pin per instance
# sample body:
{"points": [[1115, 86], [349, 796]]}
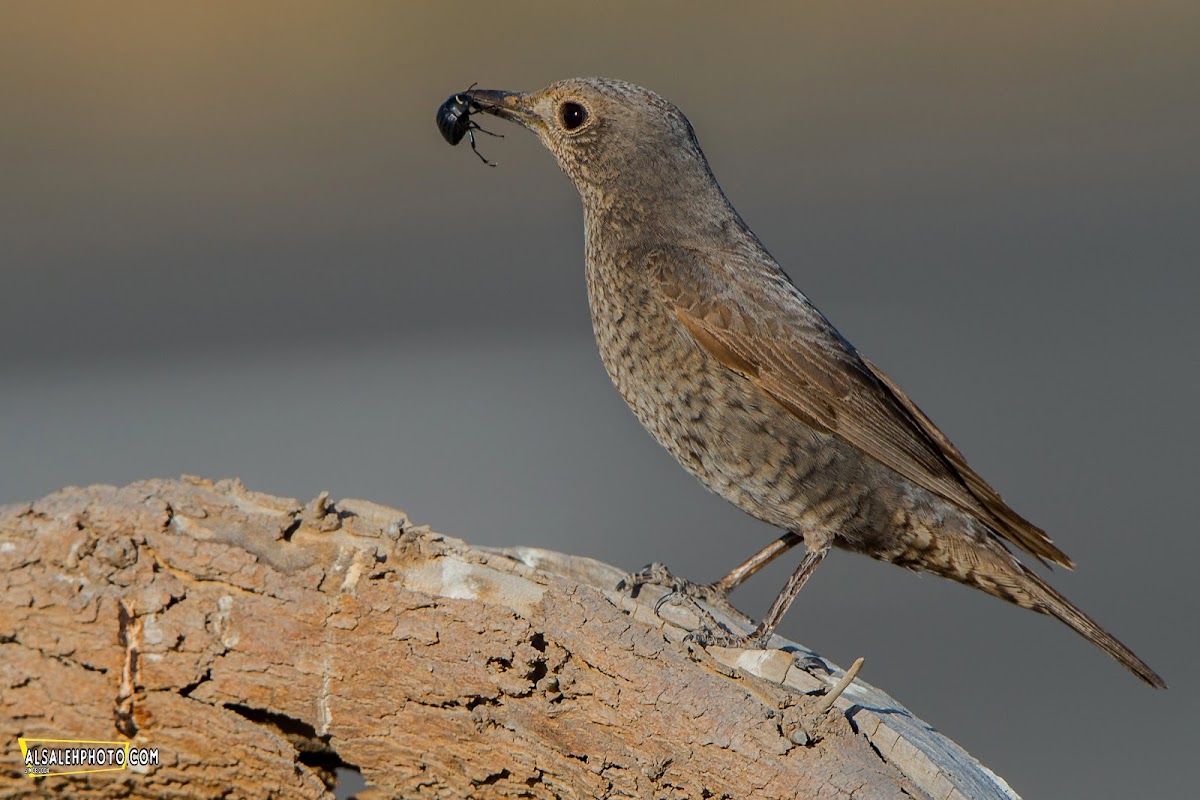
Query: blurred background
{"points": [[232, 243]]}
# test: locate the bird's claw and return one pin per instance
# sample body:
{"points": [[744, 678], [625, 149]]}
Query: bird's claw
{"points": [[680, 592], [720, 636], [657, 574]]}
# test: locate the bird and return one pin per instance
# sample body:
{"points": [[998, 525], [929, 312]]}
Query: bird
{"points": [[745, 382]]}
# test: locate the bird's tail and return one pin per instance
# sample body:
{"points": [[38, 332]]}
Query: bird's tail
{"points": [[994, 570], [1049, 601]]}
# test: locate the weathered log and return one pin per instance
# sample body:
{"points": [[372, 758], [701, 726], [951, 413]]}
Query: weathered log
{"points": [[259, 644]]}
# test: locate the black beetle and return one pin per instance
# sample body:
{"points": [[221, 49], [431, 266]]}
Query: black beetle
{"points": [[454, 121]]}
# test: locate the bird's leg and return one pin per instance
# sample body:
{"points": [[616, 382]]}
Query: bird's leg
{"points": [[717, 594], [688, 593], [795, 583], [741, 573], [759, 637], [718, 591]]}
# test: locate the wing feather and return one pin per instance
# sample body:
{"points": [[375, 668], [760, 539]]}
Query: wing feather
{"points": [[779, 342]]}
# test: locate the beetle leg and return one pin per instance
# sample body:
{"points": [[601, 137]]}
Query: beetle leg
{"points": [[471, 135], [472, 125]]}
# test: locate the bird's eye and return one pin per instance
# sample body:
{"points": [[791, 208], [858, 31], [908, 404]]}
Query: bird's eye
{"points": [[573, 115]]}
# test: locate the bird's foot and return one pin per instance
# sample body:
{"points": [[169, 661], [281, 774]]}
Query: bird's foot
{"points": [[720, 636], [680, 592], [657, 574]]}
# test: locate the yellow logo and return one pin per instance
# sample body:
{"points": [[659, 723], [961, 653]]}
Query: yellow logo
{"points": [[75, 756]]}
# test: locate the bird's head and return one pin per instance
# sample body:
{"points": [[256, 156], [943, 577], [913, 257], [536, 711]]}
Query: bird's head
{"points": [[610, 137]]}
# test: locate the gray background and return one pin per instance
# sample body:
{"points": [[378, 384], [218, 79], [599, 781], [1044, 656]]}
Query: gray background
{"points": [[233, 243]]}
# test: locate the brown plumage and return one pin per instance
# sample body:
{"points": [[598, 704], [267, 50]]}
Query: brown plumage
{"points": [[741, 378]]}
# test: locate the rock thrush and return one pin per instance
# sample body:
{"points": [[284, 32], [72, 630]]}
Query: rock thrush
{"points": [[731, 368]]}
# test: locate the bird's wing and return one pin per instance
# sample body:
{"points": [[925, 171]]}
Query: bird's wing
{"points": [[772, 336]]}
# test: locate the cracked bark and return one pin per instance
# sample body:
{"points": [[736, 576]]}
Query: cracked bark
{"points": [[259, 643]]}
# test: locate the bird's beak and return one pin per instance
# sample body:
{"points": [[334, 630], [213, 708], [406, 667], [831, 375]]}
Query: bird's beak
{"points": [[512, 106]]}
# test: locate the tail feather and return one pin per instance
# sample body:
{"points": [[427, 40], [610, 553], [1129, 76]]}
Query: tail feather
{"points": [[1054, 604], [993, 569]]}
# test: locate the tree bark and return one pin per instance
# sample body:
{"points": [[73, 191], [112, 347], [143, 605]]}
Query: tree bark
{"points": [[259, 644]]}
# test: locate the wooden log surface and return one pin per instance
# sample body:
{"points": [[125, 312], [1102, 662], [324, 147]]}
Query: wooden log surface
{"points": [[259, 643]]}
